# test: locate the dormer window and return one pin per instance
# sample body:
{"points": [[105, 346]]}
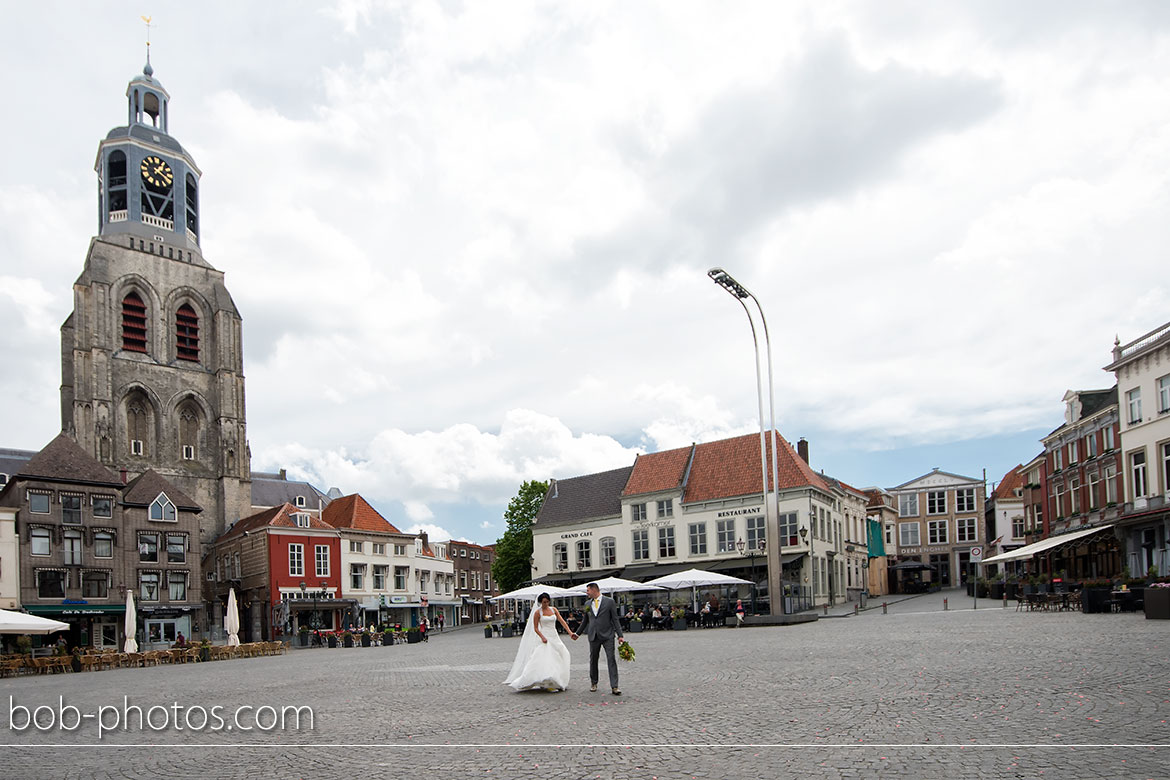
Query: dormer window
{"points": [[162, 509], [300, 501], [301, 519]]}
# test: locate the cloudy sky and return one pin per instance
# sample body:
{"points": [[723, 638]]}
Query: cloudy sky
{"points": [[470, 239]]}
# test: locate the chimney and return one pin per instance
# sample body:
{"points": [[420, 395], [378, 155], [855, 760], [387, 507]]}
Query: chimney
{"points": [[283, 474], [123, 472], [423, 535], [802, 449]]}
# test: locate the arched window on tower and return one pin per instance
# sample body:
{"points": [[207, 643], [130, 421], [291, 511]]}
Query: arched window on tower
{"points": [[192, 207], [116, 186], [186, 333], [137, 426], [133, 323], [188, 432]]}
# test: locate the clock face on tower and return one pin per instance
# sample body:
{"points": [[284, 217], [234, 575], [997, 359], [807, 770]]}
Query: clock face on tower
{"points": [[156, 173]]}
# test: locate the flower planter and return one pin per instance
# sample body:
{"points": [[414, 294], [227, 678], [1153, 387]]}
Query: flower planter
{"points": [[1095, 600], [413, 638], [205, 653], [332, 641], [487, 632], [680, 624], [76, 663], [635, 626], [348, 641], [1010, 589], [996, 589], [366, 639], [507, 632], [1157, 603], [388, 639], [305, 639]]}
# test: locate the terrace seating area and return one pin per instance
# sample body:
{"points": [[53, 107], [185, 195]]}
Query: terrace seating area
{"points": [[13, 665]]}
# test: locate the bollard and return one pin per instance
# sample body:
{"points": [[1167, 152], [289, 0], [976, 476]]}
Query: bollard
{"points": [[945, 607], [1005, 598], [826, 610], [854, 609], [883, 608]]}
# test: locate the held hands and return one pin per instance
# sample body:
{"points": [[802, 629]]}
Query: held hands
{"points": [[573, 636]]}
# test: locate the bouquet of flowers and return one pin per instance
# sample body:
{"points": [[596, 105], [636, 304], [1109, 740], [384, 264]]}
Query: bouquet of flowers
{"points": [[625, 652]]}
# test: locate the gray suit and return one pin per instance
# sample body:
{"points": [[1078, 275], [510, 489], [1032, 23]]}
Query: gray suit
{"points": [[600, 630]]}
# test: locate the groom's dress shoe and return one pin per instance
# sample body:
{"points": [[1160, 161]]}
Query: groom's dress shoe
{"points": [[593, 687], [617, 691]]}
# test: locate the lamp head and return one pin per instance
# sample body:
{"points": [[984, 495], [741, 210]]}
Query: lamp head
{"points": [[803, 531], [740, 545], [727, 282]]}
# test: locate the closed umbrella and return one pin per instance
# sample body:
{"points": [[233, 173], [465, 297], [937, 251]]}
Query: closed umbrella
{"points": [[231, 621], [130, 625], [21, 623]]}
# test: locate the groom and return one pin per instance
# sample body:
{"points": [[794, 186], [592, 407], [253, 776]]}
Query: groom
{"points": [[600, 625]]}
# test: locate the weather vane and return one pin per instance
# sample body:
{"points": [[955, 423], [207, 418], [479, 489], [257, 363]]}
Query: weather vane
{"points": [[147, 20]]}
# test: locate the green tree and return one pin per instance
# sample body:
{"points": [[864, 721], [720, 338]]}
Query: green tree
{"points": [[511, 566]]}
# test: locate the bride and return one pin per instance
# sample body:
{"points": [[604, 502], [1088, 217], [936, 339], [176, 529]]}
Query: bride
{"points": [[542, 661]]}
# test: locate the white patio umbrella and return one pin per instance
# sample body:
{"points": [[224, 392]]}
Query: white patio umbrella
{"points": [[696, 578], [130, 624], [531, 592], [231, 621], [21, 623], [616, 585]]}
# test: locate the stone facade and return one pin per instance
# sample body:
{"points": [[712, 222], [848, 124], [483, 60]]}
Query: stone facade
{"points": [[152, 354]]}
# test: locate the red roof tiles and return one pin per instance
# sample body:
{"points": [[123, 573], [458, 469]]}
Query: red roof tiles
{"points": [[355, 512], [731, 467], [1011, 482], [276, 517], [659, 471]]}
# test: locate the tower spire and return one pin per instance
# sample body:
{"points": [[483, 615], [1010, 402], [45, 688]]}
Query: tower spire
{"points": [[148, 70]]}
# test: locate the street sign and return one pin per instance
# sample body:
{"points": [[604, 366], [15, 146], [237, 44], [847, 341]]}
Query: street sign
{"points": [[976, 553]]}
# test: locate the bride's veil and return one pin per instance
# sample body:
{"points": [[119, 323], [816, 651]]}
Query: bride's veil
{"points": [[528, 642]]}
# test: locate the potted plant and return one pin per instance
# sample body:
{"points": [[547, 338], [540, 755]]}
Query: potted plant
{"points": [[331, 638], [995, 587], [76, 661], [507, 631], [1010, 587], [347, 638], [1095, 596], [487, 631], [679, 617], [303, 633], [367, 638], [1157, 601], [981, 588], [205, 650], [635, 625], [388, 637], [413, 637]]}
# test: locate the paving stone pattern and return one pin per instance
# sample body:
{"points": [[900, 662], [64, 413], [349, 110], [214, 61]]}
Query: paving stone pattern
{"points": [[919, 692]]}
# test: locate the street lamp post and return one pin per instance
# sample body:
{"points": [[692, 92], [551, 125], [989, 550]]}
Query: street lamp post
{"points": [[752, 551], [740, 293]]}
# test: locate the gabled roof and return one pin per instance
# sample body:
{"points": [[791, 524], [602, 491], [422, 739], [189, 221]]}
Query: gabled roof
{"points": [[1091, 401], [270, 490], [658, 471], [64, 460], [144, 489], [276, 517], [731, 467], [583, 498], [1011, 482], [936, 472], [355, 512]]}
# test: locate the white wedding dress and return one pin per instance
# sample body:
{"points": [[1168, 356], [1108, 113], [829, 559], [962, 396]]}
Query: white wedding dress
{"points": [[539, 664]]}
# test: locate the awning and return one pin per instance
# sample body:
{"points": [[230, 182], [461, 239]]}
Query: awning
{"points": [[1047, 545], [76, 609], [790, 557]]}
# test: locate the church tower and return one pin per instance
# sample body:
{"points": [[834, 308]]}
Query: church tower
{"points": [[151, 357]]}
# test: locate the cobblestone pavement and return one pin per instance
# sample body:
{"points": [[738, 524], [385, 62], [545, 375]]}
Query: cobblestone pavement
{"points": [[919, 692]]}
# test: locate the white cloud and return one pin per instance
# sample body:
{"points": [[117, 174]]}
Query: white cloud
{"points": [[435, 533], [469, 241]]}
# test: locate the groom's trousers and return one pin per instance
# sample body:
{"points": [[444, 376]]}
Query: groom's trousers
{"points": [[610, 658]]}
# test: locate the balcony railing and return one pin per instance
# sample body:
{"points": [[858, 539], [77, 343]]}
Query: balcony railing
{"points": [[159, 222], [119, 215]]}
